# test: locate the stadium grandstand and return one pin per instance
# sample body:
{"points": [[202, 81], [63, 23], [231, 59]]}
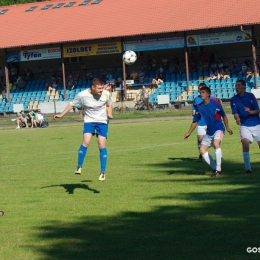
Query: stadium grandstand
{"points": [[50, 51]]}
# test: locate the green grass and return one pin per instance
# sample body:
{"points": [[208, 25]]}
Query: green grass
{"points": [[158, 201]]}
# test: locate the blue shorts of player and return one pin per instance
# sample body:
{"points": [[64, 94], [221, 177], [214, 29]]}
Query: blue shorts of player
{"points": [[96, 128]]}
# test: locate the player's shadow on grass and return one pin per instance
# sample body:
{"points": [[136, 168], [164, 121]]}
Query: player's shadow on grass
{"points": [[71, 187], [192, 166]]}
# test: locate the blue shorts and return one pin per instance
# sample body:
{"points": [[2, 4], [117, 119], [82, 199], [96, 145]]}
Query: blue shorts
{"points": [[96, 129]]}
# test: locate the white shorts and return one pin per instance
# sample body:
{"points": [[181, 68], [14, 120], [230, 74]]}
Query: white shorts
{"points": [[250, 132], [209, 140], [201, 130]]}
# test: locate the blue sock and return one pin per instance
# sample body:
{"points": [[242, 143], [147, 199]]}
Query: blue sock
{"points": [[246, 157], [81, 155], [103, 159]]}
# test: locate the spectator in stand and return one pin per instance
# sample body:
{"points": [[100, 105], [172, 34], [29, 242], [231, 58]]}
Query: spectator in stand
{"points": [[141, 76], [29, 74], [160, 69], [213, 75], [193, 67], [204, 57], [13, 74], [149, 60], [172, 68], [82, 66], [249, 73], [53, 85], [122, 91], [157, 81], [175, 60], [70, 84], [154, 64], [223, 74], [231, 65], [134, 75], [181, 68], [204, 67], [40, 72], [165, 62], [52, 71], [237, 68], [89, 74], [112, 83], [244, 68], [220, 64], [214, 66], [19, 82], [193, 59]]}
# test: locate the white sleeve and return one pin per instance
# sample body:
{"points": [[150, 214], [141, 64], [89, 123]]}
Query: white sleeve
{"points": [[76, 101]]}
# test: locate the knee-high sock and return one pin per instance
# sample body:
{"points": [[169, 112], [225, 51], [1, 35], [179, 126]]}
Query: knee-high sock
{"points": [[81, 155], [209, 160], [103, 159], [218, 155], [246, 157]]}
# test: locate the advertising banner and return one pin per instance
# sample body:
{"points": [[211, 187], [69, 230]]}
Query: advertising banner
{"points": [[154, 44], [218, 38], [30, 55], [92, 49]]}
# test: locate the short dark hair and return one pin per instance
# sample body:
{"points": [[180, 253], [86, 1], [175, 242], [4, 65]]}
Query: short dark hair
{"points": [[241, 81], [207, 89], [202, 85], [97, 81]]}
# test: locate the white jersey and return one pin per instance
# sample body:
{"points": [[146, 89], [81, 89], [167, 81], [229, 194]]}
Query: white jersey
{"points": [[94, 107]]}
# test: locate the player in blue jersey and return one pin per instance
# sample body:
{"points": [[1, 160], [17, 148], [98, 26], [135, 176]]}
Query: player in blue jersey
{"points": [[212, 113], [202, 127], [246, 113]]}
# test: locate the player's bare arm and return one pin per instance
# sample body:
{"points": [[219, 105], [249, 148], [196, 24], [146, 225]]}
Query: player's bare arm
{"points": [[237, 118], [192, 127], [251, 112], [66, 110], [109, 112], [225, 120]]}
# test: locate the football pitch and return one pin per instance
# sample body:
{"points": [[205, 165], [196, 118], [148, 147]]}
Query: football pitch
{"points": [[157, 202]]}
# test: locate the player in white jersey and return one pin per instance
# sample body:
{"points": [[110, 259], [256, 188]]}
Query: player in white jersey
{"points": [[97, 106]]}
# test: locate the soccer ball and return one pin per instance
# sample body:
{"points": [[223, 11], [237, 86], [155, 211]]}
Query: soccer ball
{"points": [[129, 57]]}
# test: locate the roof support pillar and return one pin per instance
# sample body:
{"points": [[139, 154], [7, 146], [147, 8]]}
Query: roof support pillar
{"points": [[63, 71], [124, 78], [7, 78], [186, 62], [254, 55]]}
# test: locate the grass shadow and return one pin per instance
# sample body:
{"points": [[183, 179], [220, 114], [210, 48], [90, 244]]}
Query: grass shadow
{"points": [[219, 225], [69, 188]]}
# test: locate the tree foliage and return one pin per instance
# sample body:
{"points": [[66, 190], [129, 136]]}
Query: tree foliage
{"points": [[14, 2]]}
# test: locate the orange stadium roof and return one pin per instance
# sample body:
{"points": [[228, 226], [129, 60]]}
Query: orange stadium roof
{"points": [[99, 19]]}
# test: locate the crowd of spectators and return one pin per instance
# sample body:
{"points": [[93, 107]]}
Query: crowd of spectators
{"points": [[152, 68]]}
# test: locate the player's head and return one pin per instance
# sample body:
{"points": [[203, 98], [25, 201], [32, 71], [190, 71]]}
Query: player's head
{"points": [[240, 86], [97, 87], [201, 85], [205, 92]]}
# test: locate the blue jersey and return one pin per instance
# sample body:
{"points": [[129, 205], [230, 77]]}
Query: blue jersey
{"points": [[238, 105], [211, 114], [197, 100]]}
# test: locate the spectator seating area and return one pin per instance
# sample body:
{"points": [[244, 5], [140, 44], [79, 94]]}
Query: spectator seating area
{"points": [[177, 90], [175, 85], [35, 92]]}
